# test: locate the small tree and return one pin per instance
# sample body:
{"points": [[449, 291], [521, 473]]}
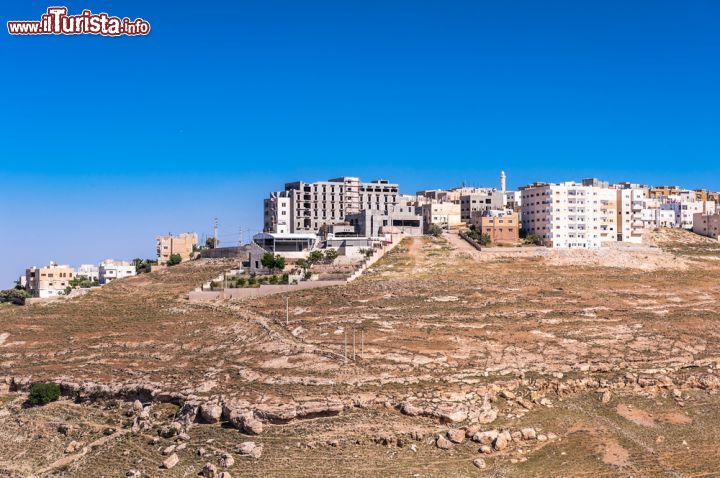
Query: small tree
{"points": [[532, 239], [174, 260], [435, 230], [331, 255], [484, 239], [273, 261], [43, 393], [315, 257], [210, 243], [14, 296]]}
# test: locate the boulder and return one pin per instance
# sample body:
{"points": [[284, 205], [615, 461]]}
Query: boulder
{"points": [[170, 461], [209, 471], [169, 450], [249, 448], [502, 441], [480, 463], [528, 433], [606, 397], [210, 412], [456, 435], [226, 460], [443, 443], [486, 437]]}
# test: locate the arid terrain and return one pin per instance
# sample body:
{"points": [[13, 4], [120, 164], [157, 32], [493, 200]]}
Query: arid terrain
{"points": [[508, 362]]}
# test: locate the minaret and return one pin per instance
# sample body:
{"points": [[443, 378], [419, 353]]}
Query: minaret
{"points": [[502, 181]]}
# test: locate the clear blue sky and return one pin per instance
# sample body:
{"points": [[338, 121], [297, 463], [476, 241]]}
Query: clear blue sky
{"points": [[106, 142]]}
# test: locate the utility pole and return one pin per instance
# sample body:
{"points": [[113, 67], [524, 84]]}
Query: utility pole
{"points": [[241, 238], [362, 344], [215, 233]]}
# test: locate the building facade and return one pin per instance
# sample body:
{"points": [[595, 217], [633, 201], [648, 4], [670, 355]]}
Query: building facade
{"points": [[707, 225], [305, 207], [481, 200], [182, 244], [90, 271], [398, 220], [48, 281], [503, 226], [443, 214], [111, 270], [564, 215]]}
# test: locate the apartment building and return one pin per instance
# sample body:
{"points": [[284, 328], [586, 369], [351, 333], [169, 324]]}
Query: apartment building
{"points": [[182, 244], [48, 281], [685, 209], [110, 270], [444, 214], [564, 215], [707, 225], [483, 199], [305, 207], [90, 271], [502, 226], [631, 222]]}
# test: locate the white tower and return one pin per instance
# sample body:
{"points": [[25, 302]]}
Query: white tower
{"points": [[502, 181]]}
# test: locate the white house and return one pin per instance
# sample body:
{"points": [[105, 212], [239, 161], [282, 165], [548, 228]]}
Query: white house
{"points": [[110, 270]]}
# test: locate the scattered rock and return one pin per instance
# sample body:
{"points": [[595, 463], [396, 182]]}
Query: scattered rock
{"points": [[485, 438], [443, 443], [502, 440], [250, 448], [209, 471], [226, 460], [480, 463], [133, 474], [210, 412], [486, 449], [137, 406], [542, 438], [606, 397], [73, 447], [528, 433], [456, 435], [168, 450], [170, 461]]}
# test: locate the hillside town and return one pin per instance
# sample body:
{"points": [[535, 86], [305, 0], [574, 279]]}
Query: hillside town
{"points": [[352, 218]]}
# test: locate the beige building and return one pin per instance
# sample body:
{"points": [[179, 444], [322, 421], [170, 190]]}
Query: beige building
{"points": [[502, 226], [707, 225], [49, 281], [444, 214], [182, 244]]}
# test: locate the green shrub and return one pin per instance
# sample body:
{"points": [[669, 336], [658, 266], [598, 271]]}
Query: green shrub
{"points": [[43, 393], [273, 279], [241, 282], [285, 279], [174, 260]]}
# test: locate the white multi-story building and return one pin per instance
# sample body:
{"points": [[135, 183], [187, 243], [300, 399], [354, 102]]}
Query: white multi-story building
{"points": [[110, 270], [632, 221], [90, 271], [564, 215], [306, 207], [443, 214]]}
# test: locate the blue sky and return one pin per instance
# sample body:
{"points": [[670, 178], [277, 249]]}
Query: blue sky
{"points": [[107, 142]]}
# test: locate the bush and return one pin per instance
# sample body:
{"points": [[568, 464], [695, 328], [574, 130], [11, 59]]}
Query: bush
{"points": [[14, 296], [273, 261], [252, 281], [533, 239], [273, 279], [331, 255], [174, 260], [435, 230], [43, 393], [315, 256], [285, 279], [241, 282]]}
